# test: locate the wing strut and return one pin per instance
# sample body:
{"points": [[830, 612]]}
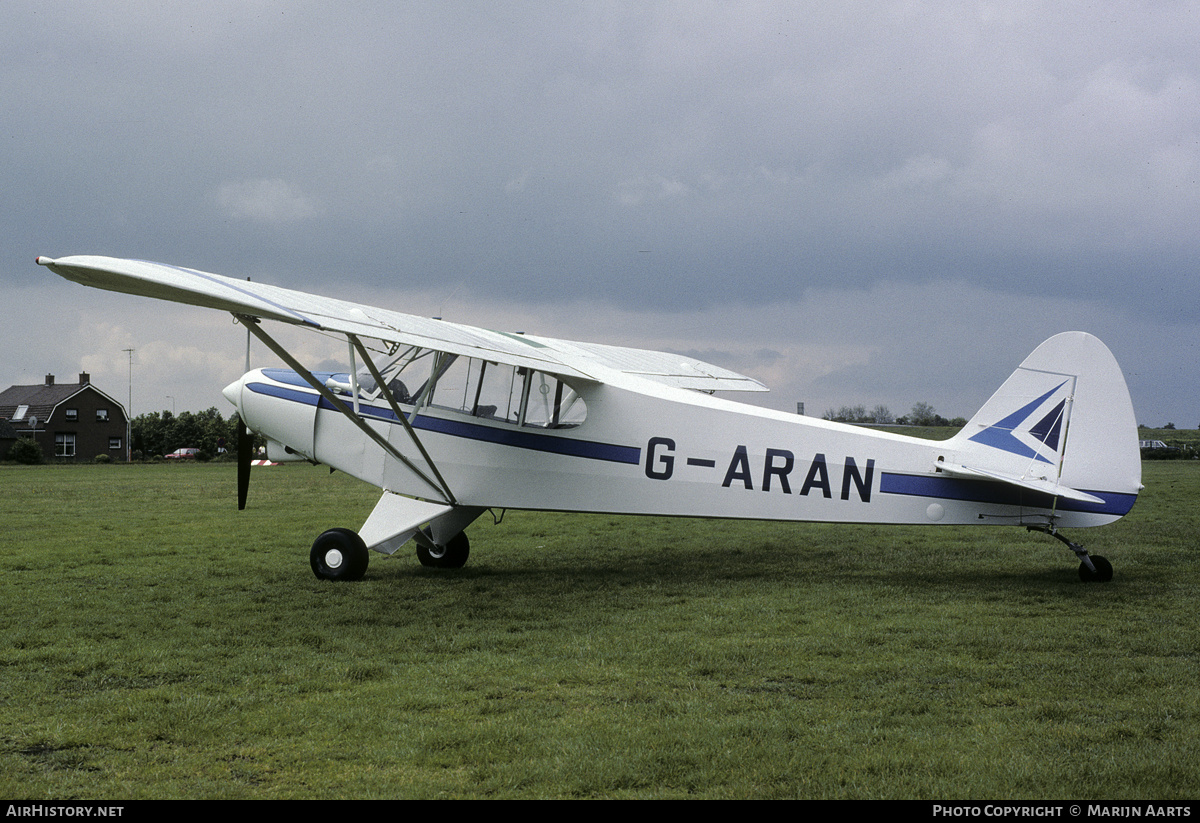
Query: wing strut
{"points": [[379, 381], [443, 491]]}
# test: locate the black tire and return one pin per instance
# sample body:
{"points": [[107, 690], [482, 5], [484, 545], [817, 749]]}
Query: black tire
{"points": [[1103, 573], [339, 554], [451, 556]]}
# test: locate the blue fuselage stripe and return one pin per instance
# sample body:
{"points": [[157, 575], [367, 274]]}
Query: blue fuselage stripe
{"points": [[514, 437], [1005, 494]]}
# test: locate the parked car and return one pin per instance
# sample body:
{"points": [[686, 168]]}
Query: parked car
{"points": [[183, 454]]}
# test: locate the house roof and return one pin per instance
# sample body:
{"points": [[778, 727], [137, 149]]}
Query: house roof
{"points": [[42, 400]]}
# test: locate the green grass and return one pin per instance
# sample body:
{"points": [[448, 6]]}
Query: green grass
{"points": [[155, 642]]}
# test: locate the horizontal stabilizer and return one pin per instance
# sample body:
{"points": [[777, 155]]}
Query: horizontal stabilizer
{"points": [[1037, 484]]}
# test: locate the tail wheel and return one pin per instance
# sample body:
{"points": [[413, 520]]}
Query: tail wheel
{"points": [[453, 555], [339, 554], [1103, 572]]}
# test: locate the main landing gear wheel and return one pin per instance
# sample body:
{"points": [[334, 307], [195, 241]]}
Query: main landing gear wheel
{"points": [[1102, 574], [453, 555], [339, 554]]}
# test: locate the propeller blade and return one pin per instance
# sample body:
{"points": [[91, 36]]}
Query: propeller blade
{"points": [[245, 453]]}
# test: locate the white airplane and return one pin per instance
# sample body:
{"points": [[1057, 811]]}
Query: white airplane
{"points": [[451, 421]]}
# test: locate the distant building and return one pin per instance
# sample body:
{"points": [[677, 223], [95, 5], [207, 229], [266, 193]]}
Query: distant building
{"points": [[8, 436], [72, 422]]}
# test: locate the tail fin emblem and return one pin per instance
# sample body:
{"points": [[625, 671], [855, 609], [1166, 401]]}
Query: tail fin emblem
{"points": [[1011, 435]]}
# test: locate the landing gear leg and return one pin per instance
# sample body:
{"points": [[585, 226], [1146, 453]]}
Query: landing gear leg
{"points": [[1092, 568]]}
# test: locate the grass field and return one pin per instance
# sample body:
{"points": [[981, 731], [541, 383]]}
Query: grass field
{"points": [[156, 643]]}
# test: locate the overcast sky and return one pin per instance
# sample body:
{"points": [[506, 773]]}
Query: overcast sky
{"points": [[875, 203]]}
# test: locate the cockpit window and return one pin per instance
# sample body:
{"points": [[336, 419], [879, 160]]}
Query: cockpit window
{"points": [[407, 375], [491, 391]]}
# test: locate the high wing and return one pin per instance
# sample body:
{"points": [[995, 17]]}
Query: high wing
{"points": [[242, 297]]}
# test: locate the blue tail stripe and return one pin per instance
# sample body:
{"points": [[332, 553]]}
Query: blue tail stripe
{"points": [[1005, 494]]}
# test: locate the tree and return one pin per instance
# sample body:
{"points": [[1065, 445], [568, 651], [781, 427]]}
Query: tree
{"points": [[882, 414], [848, 414], [148, 432], [162, 432], [922, 414]]}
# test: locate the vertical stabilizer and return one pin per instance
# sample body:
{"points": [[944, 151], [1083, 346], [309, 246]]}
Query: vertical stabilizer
{"points": [[1063, 417]]}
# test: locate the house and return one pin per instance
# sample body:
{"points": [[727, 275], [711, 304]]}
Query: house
{"points": [[8, 436], [72, 422]]}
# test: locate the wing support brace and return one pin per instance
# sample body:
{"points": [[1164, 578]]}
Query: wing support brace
{"points": [[439, 486], [412, 434]]}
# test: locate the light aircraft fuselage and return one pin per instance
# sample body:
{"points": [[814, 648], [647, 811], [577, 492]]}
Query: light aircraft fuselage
{"points": [[649, 449]]}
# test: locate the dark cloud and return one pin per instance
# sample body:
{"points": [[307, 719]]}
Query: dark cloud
{"points": [[662, 158]]}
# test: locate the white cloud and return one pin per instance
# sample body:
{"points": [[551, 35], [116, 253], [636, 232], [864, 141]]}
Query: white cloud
{"points": [[638, 190], [272, 201]]}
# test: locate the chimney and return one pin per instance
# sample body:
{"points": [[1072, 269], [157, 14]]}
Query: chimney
{"points": [[49, 380], [84, 378]]}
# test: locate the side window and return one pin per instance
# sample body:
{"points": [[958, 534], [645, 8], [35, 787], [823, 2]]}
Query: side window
{"points": [[72, 415], [457, 383], [409, 382], [552, 404], [500, 393], [101, 415]]}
